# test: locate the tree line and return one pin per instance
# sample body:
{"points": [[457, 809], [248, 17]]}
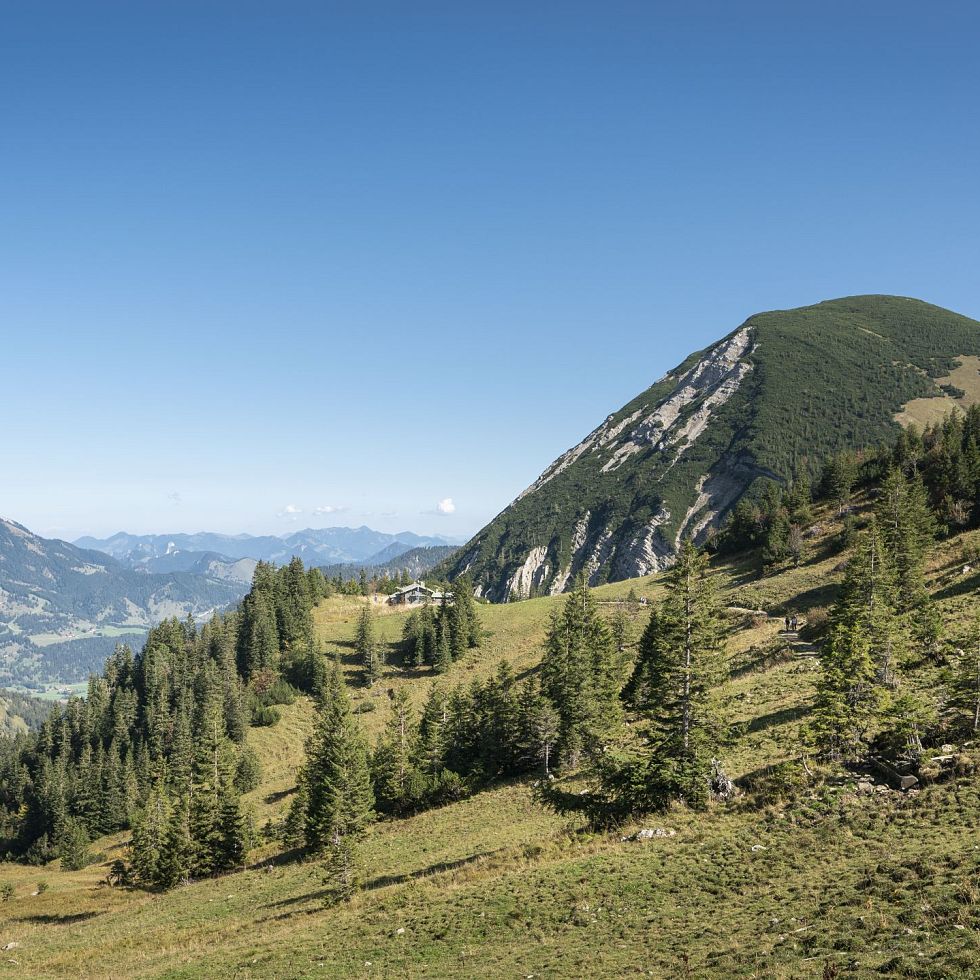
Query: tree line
{"points": [[158, 743]]}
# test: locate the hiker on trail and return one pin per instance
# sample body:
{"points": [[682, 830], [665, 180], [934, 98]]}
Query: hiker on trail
{"points": [[786, 620], [792, 625]]}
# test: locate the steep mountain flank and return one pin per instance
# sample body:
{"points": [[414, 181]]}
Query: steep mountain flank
{"points": [[770, 399]]}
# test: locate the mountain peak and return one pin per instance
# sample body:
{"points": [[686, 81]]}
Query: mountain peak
{"points": [[768, 400]]}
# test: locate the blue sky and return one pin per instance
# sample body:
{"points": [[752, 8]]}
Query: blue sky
{"points": [[260, 259]]}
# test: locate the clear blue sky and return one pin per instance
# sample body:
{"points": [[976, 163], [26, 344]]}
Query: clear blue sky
{"points": [[262, 258]]}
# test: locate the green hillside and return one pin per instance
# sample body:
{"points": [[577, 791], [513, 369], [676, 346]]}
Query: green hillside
{"points": [[771, 400], [787, 880]]}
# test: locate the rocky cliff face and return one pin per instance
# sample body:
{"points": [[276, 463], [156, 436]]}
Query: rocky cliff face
{"points": [[769, 399]]}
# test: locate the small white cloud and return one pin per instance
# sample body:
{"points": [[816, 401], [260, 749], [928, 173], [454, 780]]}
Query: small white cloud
{"points": [[290, 512], [446, 506], [174, 497], [328, 509]]}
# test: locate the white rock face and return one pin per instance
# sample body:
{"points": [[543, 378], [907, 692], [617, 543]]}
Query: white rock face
{"points": [[716, 492], [579, 537], [531, 574], [670, 426], [598, 555], [715, 378], [648, 551]]}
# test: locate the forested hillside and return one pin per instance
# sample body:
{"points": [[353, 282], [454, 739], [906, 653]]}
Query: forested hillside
{"points": [[406, 567], [691, 772], [768, 402]]}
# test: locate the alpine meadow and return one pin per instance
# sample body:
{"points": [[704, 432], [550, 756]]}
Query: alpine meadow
{"points": [[490, 490]]}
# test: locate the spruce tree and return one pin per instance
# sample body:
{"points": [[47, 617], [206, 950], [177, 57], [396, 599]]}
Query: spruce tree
{"points": [[907, 527], [393, 771], [177, 853], [776, 546], [368, 649], [848, 698], [861, 654], [336, 796], [148, 839], [839, 477], [443, 653], [539, 728], [579, 675], [232, 843], [432, 735], [676, 665]]}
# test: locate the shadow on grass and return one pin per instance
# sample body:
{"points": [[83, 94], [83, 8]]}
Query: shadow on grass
{"points": [[373, 884], [781, 717], [763, 660], [279, 796], [965, 586], [821, 595], [292, 856], [58, 920]]}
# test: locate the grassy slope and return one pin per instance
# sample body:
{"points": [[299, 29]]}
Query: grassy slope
{"points": [[965, 378], [496, 886]]}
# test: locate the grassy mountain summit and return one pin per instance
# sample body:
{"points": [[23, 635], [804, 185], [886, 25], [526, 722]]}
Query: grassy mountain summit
{"points": [[767, 401]]}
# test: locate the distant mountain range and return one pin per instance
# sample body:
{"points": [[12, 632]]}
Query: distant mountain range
{"points": [[417, 562], [228, 556], [63, 608]]}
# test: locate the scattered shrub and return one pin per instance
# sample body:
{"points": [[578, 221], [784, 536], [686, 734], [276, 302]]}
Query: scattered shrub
{"points": [[263, 717], [281, 692]]}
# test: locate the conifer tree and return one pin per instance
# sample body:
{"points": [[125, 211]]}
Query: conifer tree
{"points": [[839, 477], [579, 673], [258, 643], [675, 668], [232, 843], [367, 647], [443, 653], [149, 838], [848, 697], [861, 654], [907, 526], [73, 844], [540, 726], [336, 799], [432, 735], [776, 546], [177, 853], [393, 771], [468, 617]]}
